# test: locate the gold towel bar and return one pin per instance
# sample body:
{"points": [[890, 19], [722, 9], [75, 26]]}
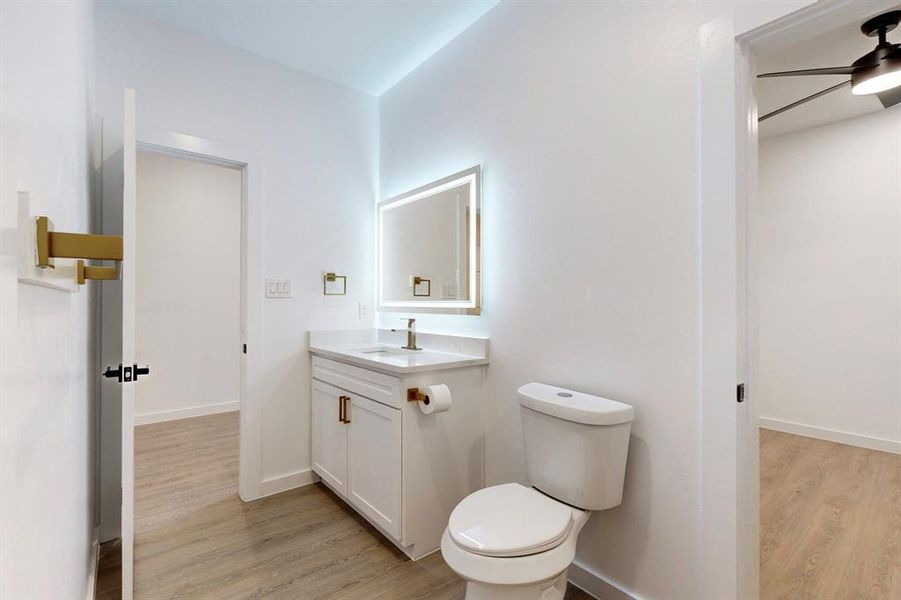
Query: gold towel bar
{"points": [[87, 272], [57, 244]]}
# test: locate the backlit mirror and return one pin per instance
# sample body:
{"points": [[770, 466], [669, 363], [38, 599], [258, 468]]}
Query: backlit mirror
{"points": [[429, 242]]}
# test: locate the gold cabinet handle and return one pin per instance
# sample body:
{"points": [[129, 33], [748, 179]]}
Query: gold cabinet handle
{"points": [[342, 409]]}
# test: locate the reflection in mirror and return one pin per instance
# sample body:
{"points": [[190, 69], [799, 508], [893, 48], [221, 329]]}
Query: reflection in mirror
{"points": [[429, 247]]}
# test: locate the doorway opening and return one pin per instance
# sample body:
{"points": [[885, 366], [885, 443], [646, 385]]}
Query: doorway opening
{"points": [[188, 329], [193, 218], [819, 296], [188, 289]]}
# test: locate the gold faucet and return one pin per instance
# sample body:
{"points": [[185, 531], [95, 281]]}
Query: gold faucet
{"points": [[411, 335]]}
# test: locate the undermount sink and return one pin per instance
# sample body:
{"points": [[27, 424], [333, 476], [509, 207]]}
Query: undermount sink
{"points": [[384, 351]]}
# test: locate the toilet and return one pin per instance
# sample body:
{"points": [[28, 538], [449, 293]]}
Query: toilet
{"points": [[512, 542]]}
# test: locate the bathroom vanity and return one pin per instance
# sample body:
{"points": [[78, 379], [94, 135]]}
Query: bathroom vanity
{"points": [[401, 469], [372, 442]]}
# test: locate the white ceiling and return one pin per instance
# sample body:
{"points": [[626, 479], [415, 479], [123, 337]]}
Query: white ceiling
{"points": [[368, 45], [839, 47]]}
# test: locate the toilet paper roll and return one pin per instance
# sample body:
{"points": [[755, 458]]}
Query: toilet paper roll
{"points": [[437, 399]]}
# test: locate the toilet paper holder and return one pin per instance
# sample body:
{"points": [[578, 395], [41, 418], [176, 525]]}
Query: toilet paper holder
{"points": [[414, 395]]}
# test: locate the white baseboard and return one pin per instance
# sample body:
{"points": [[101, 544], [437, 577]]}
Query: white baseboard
{"points": [[596, 585], [289, 481], [831, 435], [186, 413], [94, 564]]}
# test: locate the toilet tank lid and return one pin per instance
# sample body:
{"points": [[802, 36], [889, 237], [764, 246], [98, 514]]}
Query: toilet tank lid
{"points": [[574, 406]]}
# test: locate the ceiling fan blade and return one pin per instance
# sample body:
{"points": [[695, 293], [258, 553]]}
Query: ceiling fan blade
{"points": [[828, 90], [824, 71], [890, 97]]}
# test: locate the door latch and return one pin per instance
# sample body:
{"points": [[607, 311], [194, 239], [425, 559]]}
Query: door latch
{"points": [[127, 373], [740, 393]]}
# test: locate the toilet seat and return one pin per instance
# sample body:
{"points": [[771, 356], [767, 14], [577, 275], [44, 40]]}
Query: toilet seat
{"points": [[509, 520], [518, 570]]}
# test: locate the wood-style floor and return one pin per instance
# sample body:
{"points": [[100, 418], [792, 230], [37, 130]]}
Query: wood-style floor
{"points": [[194, 538], [830, 520], [830, 528]]}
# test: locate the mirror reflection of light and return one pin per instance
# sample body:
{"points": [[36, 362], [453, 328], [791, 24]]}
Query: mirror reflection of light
{"points": [[469, 180]]}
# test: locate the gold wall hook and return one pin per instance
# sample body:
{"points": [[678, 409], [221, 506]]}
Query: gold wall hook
{"points": [[85, 272], [57, 244]]}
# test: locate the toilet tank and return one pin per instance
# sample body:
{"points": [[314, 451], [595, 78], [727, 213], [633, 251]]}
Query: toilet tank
{"points": [[576, 445]]}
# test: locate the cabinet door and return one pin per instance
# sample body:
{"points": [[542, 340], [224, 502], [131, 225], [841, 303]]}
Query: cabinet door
{"points": [[374, 463], [329, 436]]}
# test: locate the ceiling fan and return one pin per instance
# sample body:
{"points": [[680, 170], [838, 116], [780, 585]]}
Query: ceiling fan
{"points": [[876, 72]]}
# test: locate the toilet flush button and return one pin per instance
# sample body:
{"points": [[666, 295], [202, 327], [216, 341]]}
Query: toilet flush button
{"points": [[564, 394]]}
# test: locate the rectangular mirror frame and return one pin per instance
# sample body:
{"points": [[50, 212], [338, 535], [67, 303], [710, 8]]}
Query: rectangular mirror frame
{"points": [[471, 306]]}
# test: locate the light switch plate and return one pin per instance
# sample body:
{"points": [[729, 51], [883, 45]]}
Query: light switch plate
{"points": [[278, 288]]}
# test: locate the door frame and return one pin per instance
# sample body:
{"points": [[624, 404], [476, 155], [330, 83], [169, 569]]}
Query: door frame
{"points": [[726, 317], [251, 165]]}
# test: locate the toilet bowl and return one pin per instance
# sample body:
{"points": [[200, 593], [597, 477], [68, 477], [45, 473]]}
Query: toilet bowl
{"points": [[510, 541], [513, 542]]}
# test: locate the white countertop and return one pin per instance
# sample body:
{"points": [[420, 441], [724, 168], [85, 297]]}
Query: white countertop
{"points": [[394, 359]]}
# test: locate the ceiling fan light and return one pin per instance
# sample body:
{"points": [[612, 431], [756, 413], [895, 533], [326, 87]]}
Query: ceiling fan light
{"points": [[877, 84], [884, 76]]}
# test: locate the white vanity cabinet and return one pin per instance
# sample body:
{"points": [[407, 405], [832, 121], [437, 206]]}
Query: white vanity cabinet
{"points": [[403, 470], [374, 463], [329, 436], [357, 452]]}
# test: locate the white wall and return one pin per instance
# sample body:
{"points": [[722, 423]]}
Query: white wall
{"points": [[188, 303], [318, 142], [587, 144], [48, 373], [830, 280]]}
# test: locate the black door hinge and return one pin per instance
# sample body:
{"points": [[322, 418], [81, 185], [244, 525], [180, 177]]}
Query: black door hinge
{"points": [[740, 393]]}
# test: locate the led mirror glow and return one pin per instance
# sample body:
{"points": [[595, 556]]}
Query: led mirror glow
{"points": [[428, 247]]}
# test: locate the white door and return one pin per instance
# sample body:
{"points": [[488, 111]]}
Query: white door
{"points": [[330, 435], [129, 360], [117, 340], [374, 462], [747, 433]]}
